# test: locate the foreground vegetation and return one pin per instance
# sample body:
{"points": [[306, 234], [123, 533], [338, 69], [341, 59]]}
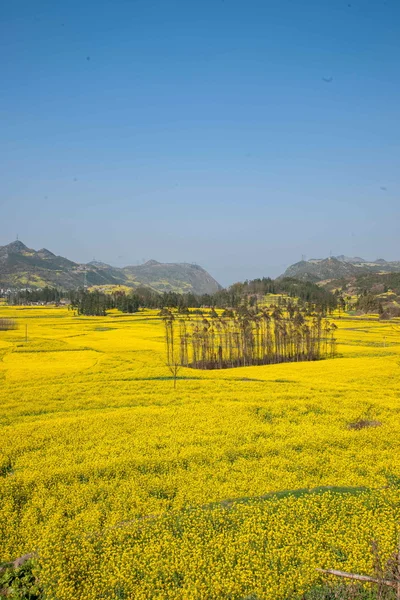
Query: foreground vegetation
{"points": [[236, 484]]}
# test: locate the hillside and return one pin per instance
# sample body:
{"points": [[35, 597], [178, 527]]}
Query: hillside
{"points": [[180, 277], [23, 267], [338, 267], [369, 293], [367, 283]]}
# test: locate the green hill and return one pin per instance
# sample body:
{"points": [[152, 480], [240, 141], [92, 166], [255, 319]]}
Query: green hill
{"points": [[22, 267], [339, 267]]}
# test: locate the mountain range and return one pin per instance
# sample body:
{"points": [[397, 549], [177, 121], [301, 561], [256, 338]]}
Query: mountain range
{"points": [[339, 267], [23, 267]]}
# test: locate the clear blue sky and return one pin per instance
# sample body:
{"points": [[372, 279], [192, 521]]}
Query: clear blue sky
{"points": [[235, 134]]}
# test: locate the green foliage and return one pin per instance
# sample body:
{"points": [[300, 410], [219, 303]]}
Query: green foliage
{"points": [[382, 283], [6, 466], [20, 583], [96, 303], [305, 291], [46, 294], [369, 293]]}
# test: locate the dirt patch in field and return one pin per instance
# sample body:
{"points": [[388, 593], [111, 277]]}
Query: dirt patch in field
{"points": [[363, 424]]}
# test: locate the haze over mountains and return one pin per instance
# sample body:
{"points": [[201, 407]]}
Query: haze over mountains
{"points": [[23, 267]]}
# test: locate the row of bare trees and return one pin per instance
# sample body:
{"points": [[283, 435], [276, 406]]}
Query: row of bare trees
{"points": [[249, 337], [7, 324]]}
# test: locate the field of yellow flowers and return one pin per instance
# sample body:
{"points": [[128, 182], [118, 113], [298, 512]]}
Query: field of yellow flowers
{"points": [[237, 484]]}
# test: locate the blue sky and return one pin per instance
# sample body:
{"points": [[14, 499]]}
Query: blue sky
{"points": [[235, 134]]}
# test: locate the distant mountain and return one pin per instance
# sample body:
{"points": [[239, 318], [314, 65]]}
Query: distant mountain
{"points": [[23, 267], [184, 277], [351, 259], [98, 264], [338, 267]]}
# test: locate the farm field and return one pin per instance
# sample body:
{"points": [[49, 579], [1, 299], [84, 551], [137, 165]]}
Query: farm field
{"points": [[236, 485]]}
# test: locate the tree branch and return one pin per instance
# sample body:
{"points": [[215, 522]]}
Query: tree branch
{"points": [[392, 584]]}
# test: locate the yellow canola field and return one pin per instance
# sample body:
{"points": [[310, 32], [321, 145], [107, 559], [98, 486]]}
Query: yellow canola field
{"points": [[237, 484]]}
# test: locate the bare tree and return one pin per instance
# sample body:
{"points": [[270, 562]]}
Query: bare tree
{"points": [[248, 337], [173, 362], [7, 324], [174, 369]]}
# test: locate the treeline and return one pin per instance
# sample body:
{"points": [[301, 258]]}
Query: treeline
{"points": [[369, 293], [378, 284], [252, 293], [7, 324], [387, 308], [97, 303], [248, 337], [294, 288], [374, 296], [46, 294], [93, 303], [249, 293]]}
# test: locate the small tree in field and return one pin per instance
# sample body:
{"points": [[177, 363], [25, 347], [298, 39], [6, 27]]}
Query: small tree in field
{"points": [[174, 369], [173, 363]]}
